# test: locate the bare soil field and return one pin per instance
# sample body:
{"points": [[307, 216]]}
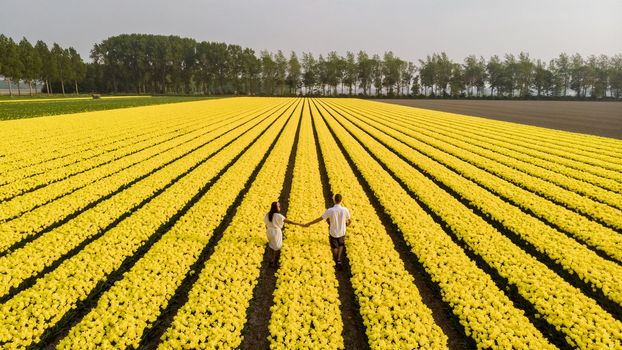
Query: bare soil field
{"points": [[596, 118]]}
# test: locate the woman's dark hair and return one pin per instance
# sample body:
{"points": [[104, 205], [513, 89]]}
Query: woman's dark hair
{"points": [[273, 209]]}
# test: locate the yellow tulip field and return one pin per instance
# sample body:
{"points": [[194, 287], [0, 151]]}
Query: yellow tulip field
{"points": [[143, 228]]}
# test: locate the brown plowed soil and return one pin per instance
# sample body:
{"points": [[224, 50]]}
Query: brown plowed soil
{"points": [[595, 118]]}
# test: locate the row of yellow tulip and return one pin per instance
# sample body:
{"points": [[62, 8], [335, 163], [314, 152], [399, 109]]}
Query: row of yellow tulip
{"points": [[594, 234], [26, 316], [38, 140], [51, 246], [22, 180], [306, 312], [134, 303], [485, 312], [566, 143], [61, 159], [493, 161], [78, 189], [19, 170], [605, 149], [216, 311], [109, 210], [558, 187], [393, 312], [571, 255], [555, 299], [539, 156], [33, 140]]}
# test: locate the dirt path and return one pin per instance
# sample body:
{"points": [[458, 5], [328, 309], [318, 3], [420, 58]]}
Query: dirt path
{"points": [[596, 118]]}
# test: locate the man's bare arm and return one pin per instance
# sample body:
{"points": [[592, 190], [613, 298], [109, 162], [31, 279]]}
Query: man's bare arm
{"points": [[313, 222]]}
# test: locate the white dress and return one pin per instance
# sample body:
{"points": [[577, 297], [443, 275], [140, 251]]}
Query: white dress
{"points": [[273, 230]]}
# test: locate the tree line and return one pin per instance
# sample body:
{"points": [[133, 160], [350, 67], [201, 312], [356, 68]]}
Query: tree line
{"points": [[157, 64], [23, 62]]}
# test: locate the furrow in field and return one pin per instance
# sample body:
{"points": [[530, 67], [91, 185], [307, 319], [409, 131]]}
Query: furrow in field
{"points": [[601, 274], [83, 276], [110, 197], [379, 278], [541, 157], [606, 149], [134, 303], [509, 168], [69, 134], [557, 301], [211, 316], [598, 237], [53, 247], [306, 300], [122, 170], [472, 294], [85, 161]]}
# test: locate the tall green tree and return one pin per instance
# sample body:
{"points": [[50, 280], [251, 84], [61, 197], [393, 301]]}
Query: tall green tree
{"points": [[364, 71], [60, 60], [495, 72], [31, 61], [510, 75], [542, 79], [323, 73], [456, 82], [427, 73], [615, 76], [3, 48], [46, 70], [281, 71], [377, 73], [407, 75], [76, 68], [4, 59], [251, 71], [598, 73], [350, 72], [525, 72], [333, 70], [268, 73], [415, 87], [562, 72], [13, 67], [294, 74], [579, 75], [391, 69], [443, 71], [310, 72], [474, 75]]}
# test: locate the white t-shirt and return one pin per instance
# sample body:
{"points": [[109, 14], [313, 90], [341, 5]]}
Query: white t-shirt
{"points": [[337, 217], [277, 221]]}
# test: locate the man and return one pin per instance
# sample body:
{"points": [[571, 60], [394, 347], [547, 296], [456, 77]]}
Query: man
{"points": [[338, 218]]}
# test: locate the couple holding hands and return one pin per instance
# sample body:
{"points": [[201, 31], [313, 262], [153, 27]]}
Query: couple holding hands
{"points": [[338, 218]]}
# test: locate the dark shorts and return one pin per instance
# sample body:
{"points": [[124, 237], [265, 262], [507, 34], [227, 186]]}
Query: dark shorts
{"points": [[337, 242]]}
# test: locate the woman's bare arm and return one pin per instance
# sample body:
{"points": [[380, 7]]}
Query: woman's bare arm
{"points": [[287, 221]]}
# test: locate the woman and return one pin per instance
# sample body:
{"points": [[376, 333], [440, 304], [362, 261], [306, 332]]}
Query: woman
{"points": [[274, 223]]}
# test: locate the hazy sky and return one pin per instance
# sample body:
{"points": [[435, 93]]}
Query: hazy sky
{"points": [[411, 29]]}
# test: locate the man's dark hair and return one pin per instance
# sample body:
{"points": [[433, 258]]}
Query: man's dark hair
{"points": [[337, 198]]}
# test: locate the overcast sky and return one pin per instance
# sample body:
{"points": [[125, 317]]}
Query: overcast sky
{"points": [[411, 29]]}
